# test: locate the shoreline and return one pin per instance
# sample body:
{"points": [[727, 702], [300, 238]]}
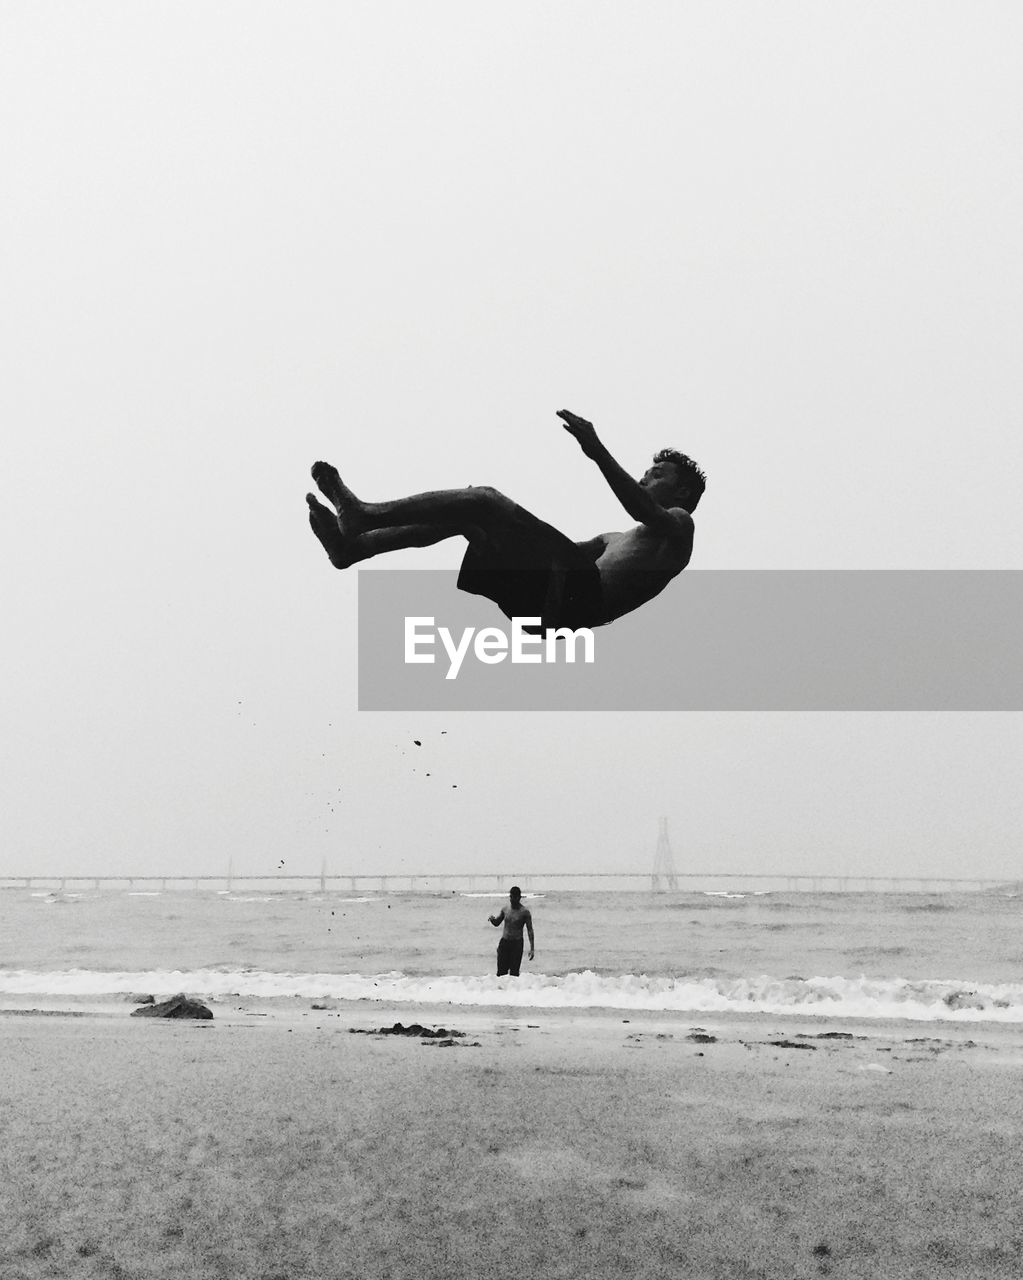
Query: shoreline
{"points": [[364, 1013]]}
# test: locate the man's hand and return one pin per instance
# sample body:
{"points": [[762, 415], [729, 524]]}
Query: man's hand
{"points": [[582, 430], [629, 492], [530, 953]]}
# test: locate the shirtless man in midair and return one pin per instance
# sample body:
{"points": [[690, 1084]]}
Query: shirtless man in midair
{"points": [[527, 567]]}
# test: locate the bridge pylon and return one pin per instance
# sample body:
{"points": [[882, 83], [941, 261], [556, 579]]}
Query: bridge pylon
{"points": [[664, 876]]}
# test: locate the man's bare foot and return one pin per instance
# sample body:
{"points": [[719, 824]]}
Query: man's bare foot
{"points": [[334, 489], [324, 524]]}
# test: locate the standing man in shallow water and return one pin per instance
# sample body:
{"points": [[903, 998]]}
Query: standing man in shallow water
{"points": [[516, 917]]}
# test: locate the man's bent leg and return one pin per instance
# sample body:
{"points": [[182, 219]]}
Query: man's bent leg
{"points": [[344, 551], [465, 510]]}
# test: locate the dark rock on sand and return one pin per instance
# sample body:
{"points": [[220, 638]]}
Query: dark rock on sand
{"points": [[179, 1006], [702, 1037], [416, 1029], [791, 1044]]}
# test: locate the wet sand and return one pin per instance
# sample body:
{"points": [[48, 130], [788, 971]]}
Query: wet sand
{"points": [[281, 1145]]}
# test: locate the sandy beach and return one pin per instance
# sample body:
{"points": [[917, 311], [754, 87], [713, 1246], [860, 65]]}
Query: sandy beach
{"points": [[285, 1145]]}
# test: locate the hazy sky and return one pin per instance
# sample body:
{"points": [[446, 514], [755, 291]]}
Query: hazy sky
{"points": [[240, 237]]}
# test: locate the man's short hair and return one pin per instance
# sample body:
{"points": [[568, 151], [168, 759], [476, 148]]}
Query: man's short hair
{"points": [[515, 891], [691, 480]]}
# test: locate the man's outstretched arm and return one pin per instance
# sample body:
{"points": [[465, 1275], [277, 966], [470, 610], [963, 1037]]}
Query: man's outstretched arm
{"points": [[629, 492]]}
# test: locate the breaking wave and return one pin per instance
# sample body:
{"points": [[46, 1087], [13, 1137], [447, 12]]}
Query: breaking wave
{"points": [[832, 997]]}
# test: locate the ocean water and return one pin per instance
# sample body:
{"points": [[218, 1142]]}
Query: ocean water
{"points": [[949, 957]]}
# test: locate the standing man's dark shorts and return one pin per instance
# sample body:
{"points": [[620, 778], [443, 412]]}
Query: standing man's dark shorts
{"points": [[509, 957]]}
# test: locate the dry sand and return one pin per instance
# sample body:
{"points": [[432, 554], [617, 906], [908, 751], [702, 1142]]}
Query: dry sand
{"points": [[285, 1146]]}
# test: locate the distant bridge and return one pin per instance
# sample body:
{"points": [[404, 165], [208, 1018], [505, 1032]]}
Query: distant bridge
{"points": [[490, 882]]}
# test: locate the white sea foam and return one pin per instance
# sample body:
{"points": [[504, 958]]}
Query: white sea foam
{"points": [[834, 997], [499, 894], [728, 893]]}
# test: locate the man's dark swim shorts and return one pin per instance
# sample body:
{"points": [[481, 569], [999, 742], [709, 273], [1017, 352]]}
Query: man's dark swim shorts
{"points": [[509, 957], [532, 570]]}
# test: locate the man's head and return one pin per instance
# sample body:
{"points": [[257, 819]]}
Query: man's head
{"points": [[674, 480], [515, 893]]}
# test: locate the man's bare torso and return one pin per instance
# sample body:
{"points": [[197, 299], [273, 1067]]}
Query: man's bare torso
{"points": [[515, 920], [636, 565]]}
